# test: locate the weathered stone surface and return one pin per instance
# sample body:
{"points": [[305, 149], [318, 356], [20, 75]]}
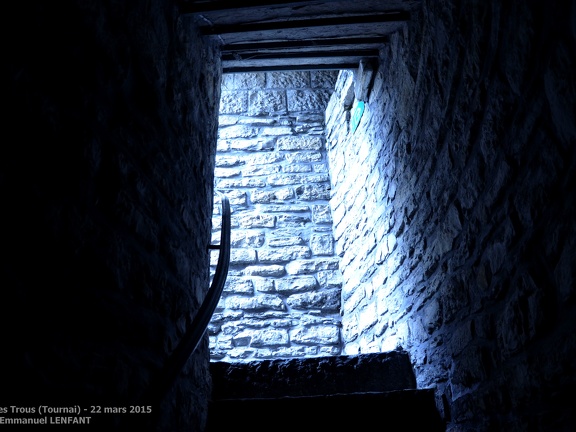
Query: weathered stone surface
{"points": [[327, 300], [294, 284], [256, 220], [436, 198], [242, 256], [264, 285], [272, 164], [317, 335], [249, 80], [266, 102], [269, 338], [303, 156], [313, 376], [237, 131], [308, 100], [300, 142], [282, 255], [237, 285], [260, 302], [286, 241], [312, 265], [233, 102], [313, 192], [263, 196], [322, 244], [269, 270], [321, 214], [323, 79], [284, 80]]}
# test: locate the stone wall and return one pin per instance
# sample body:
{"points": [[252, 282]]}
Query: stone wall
{"points": [[453, 207], [282, 295], [106, 177]]}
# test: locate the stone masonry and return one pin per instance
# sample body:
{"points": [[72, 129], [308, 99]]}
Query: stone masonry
{"points": [[453, 207], [282, 295], [107, 185]]}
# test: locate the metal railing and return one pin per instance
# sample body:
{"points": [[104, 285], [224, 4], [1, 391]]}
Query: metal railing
{"points": [[189, 342]]}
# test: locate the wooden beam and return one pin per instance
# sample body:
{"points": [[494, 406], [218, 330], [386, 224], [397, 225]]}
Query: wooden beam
{"points": [[311, 43], [295, 55], [310, 63], [195, 7], [289, 67], [350, 20]]}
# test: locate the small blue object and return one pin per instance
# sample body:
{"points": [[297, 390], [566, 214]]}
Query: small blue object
{"points": [[356, 116]]}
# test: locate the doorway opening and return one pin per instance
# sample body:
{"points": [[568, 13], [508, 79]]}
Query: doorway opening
{"points": [[282, 295]]}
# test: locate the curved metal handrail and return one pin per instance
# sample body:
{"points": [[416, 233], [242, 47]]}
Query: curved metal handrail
{"points": [[189, 342]]}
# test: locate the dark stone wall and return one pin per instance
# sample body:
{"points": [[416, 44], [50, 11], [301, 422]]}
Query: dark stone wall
{"points": [[106, 178], [453, 204], [282, 294]]}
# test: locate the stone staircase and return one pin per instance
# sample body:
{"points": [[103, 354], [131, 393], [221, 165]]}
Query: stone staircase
{"points": [[364, 392]]}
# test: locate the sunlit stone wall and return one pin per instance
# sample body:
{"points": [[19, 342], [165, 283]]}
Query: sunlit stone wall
{"points": [[453, 208], [282, 296]]}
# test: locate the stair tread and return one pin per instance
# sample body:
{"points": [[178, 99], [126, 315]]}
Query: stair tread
{"points": [[381, 411], [313, 376], [350, 395]]}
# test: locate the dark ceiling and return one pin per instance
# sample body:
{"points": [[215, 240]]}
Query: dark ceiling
{"points": [[298, 35]]}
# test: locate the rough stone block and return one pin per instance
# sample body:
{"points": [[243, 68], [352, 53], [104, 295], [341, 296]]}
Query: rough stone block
{"points": [[363, 80], [288, 220], [286, 179], [328, 300], [240, 183], [269, 102], [313, 192], [321, 214], [237, 131], [329, 279], [265, 196], [227, 120], [263, 285], [307, 100], [295, 284], [287, 208], [312, 265], [323, 79], [227, 172], [242, 256], [283, 255], [238, 285], [322, 244], [303, 157], [263, 158], [257, 220], [317, 335], [255, 144], [286, 80], [258, 303], [300, 142], [276, 131], [286, 241], [265, 271], [269, 338], [227, 161], [266, 170], [297, 168], [233, 102], [249, 80]]}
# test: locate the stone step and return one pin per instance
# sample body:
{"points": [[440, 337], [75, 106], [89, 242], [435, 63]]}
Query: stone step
{"points": [[362, 392], [379, 372], [402, 410]]}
